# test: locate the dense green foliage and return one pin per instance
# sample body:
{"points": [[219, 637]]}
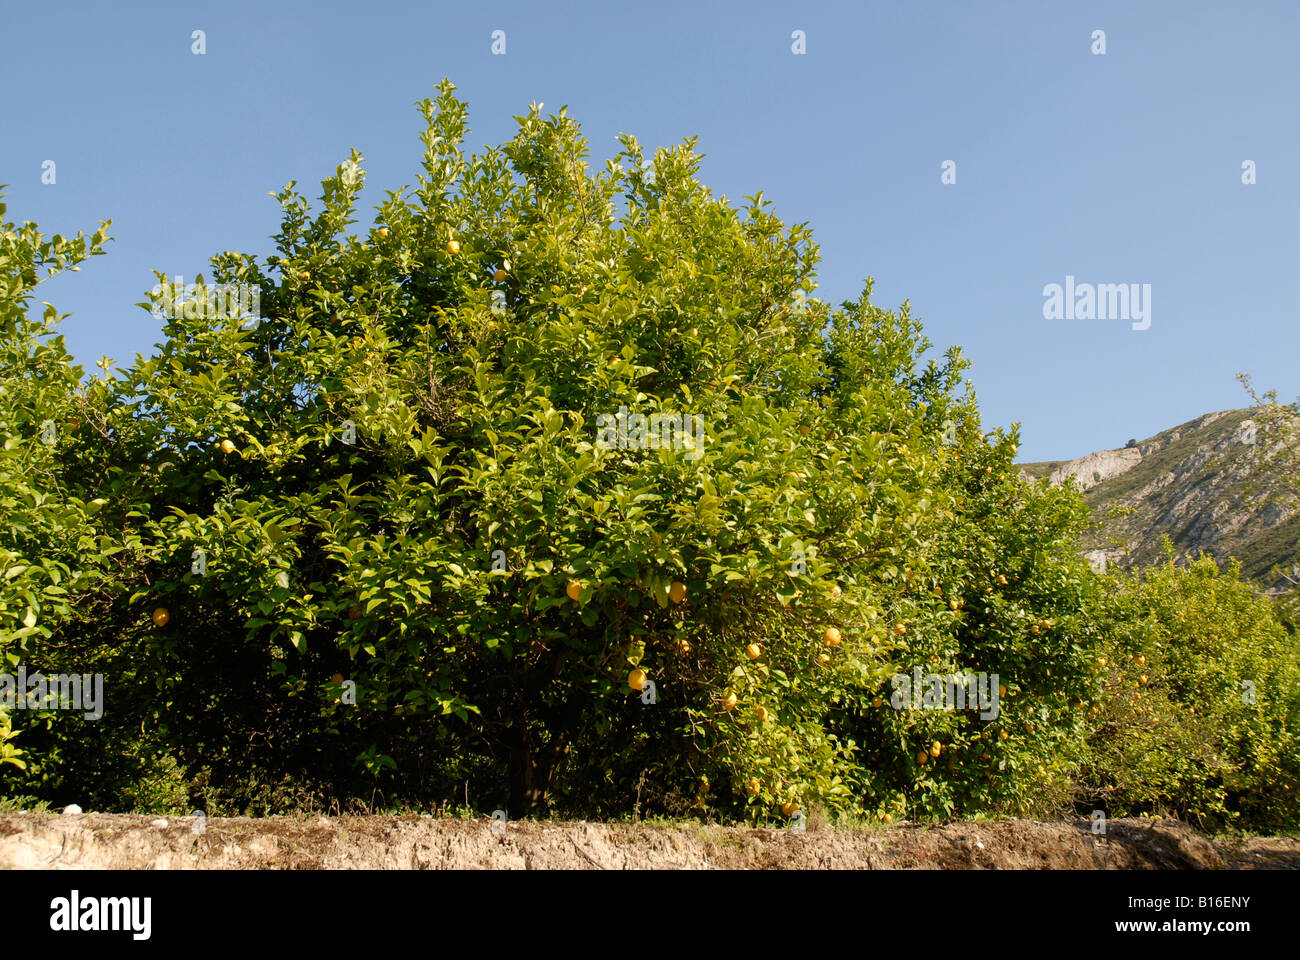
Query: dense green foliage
{"points": [[376, 546], [1200, 715]]}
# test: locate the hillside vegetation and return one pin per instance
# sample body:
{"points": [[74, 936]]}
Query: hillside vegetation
{"points": [[1214, 484]]}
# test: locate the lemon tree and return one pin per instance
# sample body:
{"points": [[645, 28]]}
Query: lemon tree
{"points": [[400, 474], [61, 545], [1199, 706], [42, 554]]}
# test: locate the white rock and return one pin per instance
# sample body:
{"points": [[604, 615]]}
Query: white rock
{"points": [[159, 823], [980, 844], [71, 810]]}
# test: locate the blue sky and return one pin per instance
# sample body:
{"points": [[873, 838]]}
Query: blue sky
{"points": [[1120, 168]]}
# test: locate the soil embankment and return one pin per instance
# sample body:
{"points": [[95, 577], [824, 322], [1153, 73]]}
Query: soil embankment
{"points": [[113, 841]]}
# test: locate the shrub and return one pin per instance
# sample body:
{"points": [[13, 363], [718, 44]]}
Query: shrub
{"points": [[1201, 701]]}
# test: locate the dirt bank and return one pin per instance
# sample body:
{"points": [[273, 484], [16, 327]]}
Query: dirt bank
{"points": [[42, 841]]}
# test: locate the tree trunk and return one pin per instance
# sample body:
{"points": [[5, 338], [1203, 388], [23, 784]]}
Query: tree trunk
{"points": [[531, 764], [531, 768]]}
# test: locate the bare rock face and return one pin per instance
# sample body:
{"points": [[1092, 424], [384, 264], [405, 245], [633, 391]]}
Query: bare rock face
{"points": [[1096, 467], [1097, 559]]}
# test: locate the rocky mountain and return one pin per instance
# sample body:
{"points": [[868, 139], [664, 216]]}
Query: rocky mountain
{"points": [[1210, 484]]}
